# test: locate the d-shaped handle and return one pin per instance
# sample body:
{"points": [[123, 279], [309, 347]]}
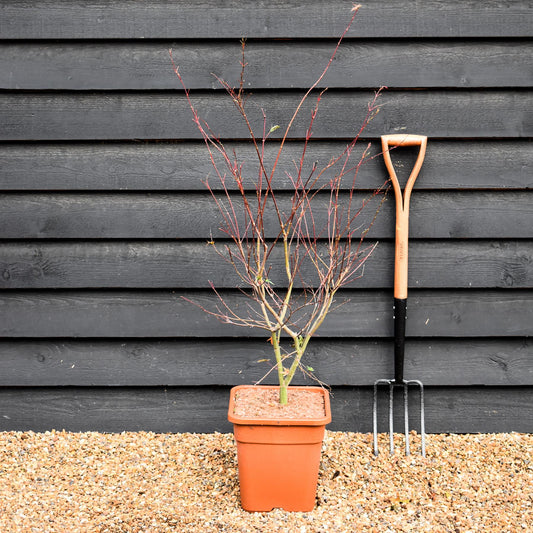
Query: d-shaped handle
{"points": [[402, 203]]}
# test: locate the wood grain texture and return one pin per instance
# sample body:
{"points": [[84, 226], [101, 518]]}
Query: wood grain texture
{"points": [[104, 216], [165, 19], [156, 265], [125, 116], [435, 215], [450, 313], [184, 166], [204, 409], [212, 362], [270, 65]]}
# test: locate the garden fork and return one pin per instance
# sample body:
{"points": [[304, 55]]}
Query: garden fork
{"points": [[400, 291]]}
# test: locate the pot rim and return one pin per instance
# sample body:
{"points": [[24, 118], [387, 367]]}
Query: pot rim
{"points": [[241, 420]]}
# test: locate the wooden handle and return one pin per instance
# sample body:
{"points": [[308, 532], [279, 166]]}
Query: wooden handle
{"points": [[402, 204], [403, 139]]}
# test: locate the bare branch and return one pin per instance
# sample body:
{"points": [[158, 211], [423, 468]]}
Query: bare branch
{"points": [[320, 256]]}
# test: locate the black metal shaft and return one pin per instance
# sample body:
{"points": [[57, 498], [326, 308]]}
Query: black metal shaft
{"points": [[400, 317]]}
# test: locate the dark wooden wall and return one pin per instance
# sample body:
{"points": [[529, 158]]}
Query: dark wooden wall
{"points": [[104, 220]]}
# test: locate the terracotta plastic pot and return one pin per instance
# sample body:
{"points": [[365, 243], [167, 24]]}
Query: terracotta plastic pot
{"points": [[278, 459]]}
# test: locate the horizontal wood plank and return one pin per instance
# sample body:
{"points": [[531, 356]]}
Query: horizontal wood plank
{"points": [[183, 362], [164, 19], [270, 65], [153, 265], [450, 313], [204, 410], [185, 166], [435, 215], [121, 116]]}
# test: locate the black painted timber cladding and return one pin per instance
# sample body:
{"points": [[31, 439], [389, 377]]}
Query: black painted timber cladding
{"points": [[104, 218]]}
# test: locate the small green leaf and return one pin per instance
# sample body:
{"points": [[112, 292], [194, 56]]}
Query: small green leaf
{"points": [[273, 129], [310, 368]]}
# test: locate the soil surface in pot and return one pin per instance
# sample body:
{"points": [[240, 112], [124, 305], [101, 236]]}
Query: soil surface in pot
{"points": [[262, 402]]}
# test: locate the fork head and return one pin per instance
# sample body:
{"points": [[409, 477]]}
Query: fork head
{"points": [[392, 384]]}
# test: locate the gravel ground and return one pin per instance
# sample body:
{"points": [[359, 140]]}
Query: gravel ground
{"points": [[95, 482]]}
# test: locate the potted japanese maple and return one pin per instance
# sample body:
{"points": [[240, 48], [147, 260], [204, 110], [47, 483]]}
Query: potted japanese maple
{"points": [[308, 234]]}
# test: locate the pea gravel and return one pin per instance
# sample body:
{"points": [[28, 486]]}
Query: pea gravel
{"points": [[146, 482]]}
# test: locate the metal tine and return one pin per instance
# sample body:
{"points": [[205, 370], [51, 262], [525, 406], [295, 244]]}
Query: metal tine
{"points": [[422, 421], [375, 419], [391, 416], [375, 412], [406, 416]]}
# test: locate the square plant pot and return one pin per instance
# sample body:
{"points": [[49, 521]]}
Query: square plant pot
{"points": [[278, 458]]}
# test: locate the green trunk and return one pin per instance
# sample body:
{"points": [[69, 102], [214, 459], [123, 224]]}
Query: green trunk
{"points": [[283, 396]]}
